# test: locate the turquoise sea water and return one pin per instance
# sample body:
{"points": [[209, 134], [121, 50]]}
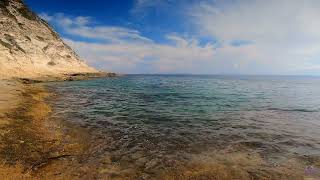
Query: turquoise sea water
{"points": [[171, 119]]}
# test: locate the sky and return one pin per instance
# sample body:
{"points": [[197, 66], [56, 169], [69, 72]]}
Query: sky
{"points": [[279, 37]]}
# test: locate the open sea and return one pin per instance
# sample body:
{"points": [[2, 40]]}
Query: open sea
{"points": [[198, 126]]}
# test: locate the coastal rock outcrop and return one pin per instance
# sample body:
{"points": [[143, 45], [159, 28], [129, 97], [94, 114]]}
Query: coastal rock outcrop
{"points": [[29, 47]]}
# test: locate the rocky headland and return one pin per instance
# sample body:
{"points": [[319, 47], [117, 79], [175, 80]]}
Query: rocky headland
{"points": [[31, 52], [30, 48]]}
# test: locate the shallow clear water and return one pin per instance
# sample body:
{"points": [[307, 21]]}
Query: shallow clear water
{"points": [[162, 118]]}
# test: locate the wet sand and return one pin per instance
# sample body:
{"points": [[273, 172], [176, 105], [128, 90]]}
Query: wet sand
{"points": [[31, 142], [36, 146]]}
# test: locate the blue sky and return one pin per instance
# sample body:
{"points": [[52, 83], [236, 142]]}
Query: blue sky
{"points": [[190, 36]]}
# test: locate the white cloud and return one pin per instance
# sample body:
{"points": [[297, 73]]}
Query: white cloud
{"points": [[283, 36], [180, 56], [127, 51], [158, 58], [45, 16], [82, 20], [115, 34], [82, 26], [285, 33]]}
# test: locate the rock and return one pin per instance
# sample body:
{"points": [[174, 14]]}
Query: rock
{"points": [[137, 155], [151, 164], [107, 160], [30, 48], [141, 161]]}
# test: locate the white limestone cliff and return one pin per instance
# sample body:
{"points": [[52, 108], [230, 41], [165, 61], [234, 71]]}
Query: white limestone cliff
{"points": [[29, 47]]}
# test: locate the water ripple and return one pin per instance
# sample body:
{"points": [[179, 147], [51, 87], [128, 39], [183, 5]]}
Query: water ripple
{"points": [[176, 117]]}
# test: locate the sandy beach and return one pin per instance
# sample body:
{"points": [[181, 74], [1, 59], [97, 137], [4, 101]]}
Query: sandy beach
{"points": [[30, 141]]}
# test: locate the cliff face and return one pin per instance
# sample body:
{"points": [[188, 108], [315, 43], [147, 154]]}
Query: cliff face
{"points": [[29, 47]]}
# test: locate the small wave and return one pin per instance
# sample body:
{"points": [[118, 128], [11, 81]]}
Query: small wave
{"points": [[294, 109]]}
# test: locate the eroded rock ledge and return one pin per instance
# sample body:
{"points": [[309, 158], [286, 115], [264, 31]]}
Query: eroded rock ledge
{"points": [[66, 77]]}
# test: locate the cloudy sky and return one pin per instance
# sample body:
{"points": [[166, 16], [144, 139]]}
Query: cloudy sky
{"points": [[191, 36]]}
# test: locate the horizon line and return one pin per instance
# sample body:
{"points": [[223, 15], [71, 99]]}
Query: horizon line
{"points": [[222, 74]]}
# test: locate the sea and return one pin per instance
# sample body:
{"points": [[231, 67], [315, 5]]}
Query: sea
{"points": [[198, 126]]}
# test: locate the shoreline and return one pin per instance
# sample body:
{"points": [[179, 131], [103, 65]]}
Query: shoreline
{"points": [[64, 77], [33, 145]]}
